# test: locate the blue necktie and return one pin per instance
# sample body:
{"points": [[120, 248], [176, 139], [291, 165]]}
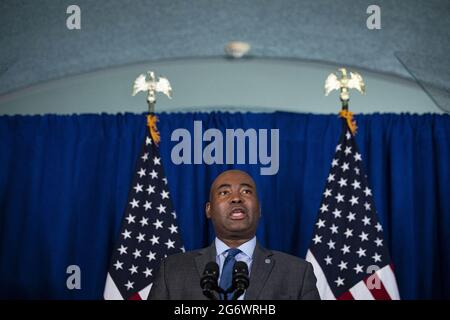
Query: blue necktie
{"points": [[227, 270]]}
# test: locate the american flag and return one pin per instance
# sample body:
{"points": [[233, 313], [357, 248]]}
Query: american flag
{"points": [[348, 251], [149, 231]]}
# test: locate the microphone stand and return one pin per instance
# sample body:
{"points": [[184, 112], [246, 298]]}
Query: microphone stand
{"points": [[237, 292], [209, 292]]}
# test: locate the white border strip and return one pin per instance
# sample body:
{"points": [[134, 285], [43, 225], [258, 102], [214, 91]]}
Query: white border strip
{"points": [[322, 284], [111, 292], [360, 292], [387, 276]]}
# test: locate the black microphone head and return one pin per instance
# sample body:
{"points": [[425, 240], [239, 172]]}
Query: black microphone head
{"points": [[212, 270], [208, 281], [240, 267], [240, 280]]}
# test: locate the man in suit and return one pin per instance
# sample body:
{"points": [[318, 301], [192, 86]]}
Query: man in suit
{"points": [[234, 210]]}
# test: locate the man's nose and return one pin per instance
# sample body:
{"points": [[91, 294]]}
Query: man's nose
{"points": [[236, 198]]}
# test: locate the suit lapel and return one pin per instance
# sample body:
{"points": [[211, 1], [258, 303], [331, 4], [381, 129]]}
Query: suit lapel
{"points": [[204, 256], [261, 267]]}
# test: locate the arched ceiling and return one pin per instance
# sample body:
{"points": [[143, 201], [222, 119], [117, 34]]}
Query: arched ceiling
{"points": [[36, 46]]}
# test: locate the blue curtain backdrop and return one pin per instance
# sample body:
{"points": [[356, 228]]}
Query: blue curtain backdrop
{"points": [[64, 182]]}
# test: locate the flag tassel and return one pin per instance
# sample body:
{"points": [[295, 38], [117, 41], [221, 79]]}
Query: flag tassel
{"points": [[348, 116], [154, 133]]}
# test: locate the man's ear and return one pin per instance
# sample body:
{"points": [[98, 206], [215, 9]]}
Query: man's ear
{"points": [[208, 210]]}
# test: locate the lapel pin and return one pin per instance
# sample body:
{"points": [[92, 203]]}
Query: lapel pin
{"points": [[267, 261]]}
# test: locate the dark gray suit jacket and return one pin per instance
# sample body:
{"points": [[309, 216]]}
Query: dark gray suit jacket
{"points": [[274, 276]]}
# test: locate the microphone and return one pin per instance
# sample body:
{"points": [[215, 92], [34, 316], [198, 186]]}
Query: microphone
{"points": [[208, 281], [240, 280]]}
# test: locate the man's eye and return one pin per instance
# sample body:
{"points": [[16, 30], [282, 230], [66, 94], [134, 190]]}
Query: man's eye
{"points": [[222, 193], [246, 191]]}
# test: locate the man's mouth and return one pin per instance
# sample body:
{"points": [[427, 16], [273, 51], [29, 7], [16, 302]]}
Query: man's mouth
{"points": [[238, 213]]}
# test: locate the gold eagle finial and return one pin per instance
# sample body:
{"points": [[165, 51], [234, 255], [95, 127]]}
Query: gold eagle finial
{"points": [[344, 83], [152, 87]]}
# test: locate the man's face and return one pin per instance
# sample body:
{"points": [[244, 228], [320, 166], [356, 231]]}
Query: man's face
{"points": [[233, 206]]}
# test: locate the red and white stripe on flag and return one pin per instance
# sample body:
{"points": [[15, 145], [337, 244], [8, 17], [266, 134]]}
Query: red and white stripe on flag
{"points": [[112, 292], [381, 285]]}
